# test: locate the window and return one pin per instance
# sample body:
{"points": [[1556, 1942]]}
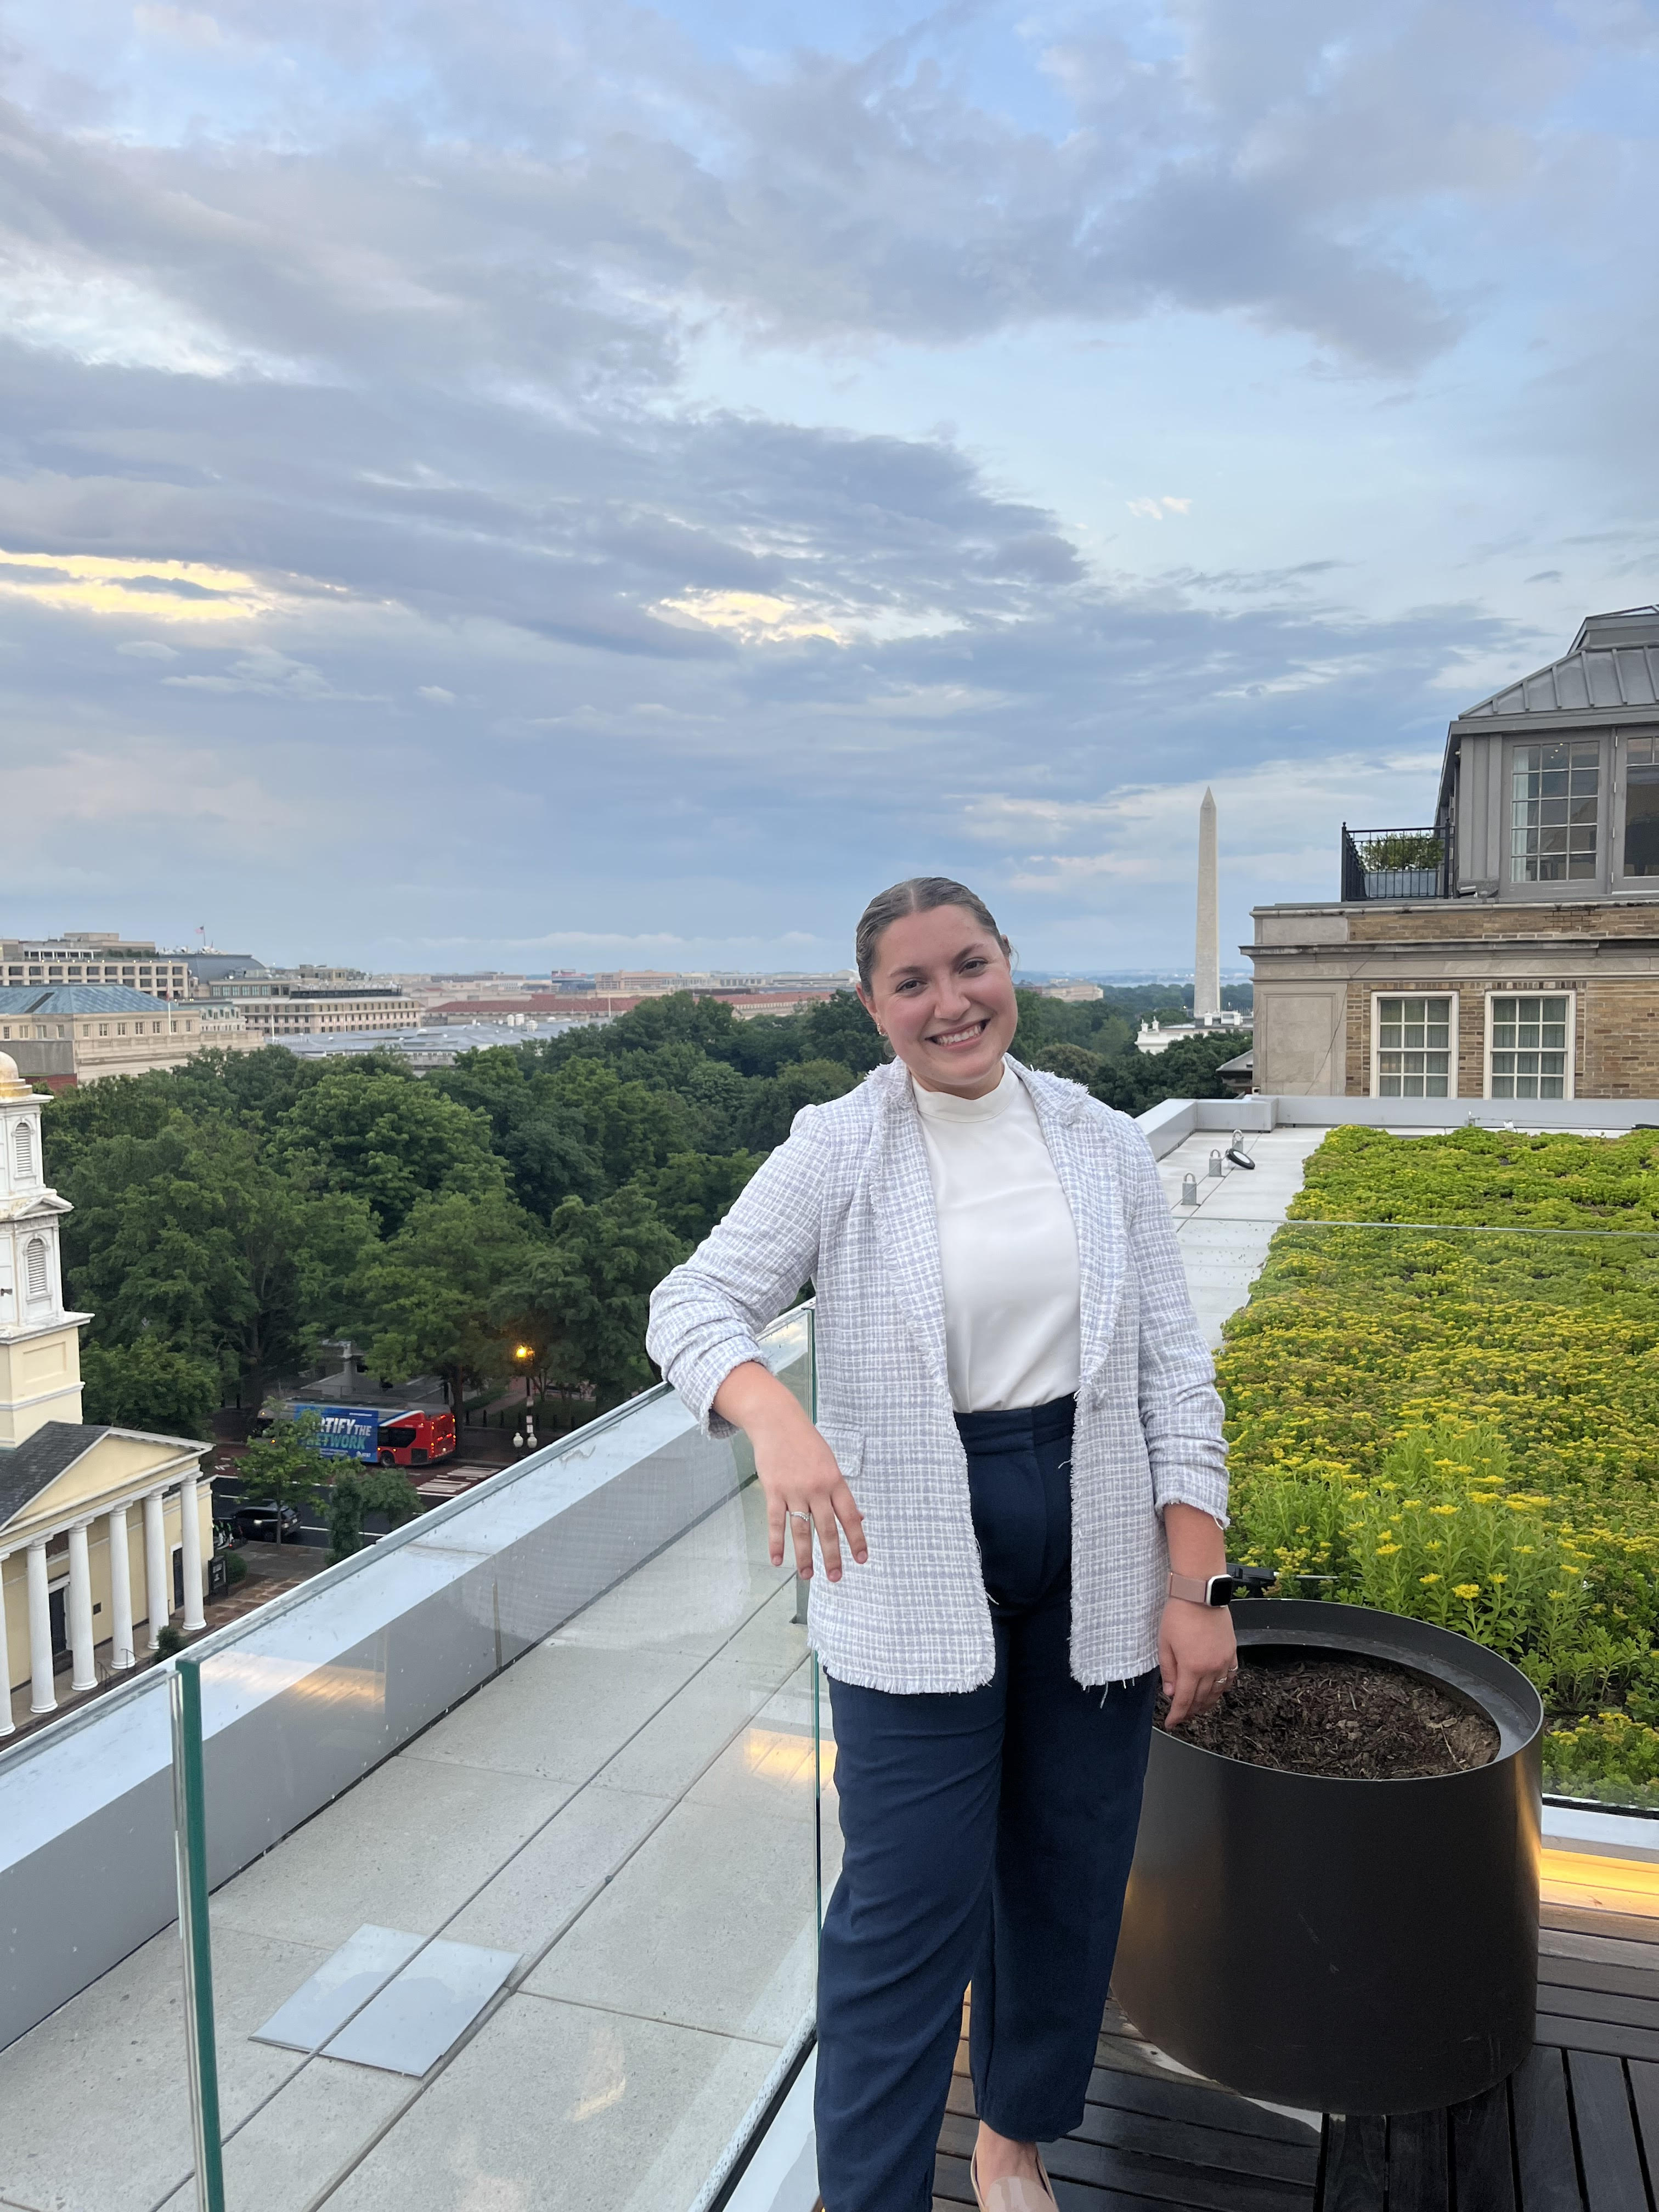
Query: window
{"points": [[34, 1268], [1554, 793], [103, 1028], [1530, 1053], [22, 1152], [1642, 806], [120, 1028], [1413, 1044]]}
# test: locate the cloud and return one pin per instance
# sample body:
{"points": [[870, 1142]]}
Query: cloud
{"points": [[263, 671], [133, 788], [185, 27], [753, 616], [164, 590], [350, 350], [1278, 828]]}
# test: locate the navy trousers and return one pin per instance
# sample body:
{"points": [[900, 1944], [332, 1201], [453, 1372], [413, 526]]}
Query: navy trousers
{"points": [[987, 1839]]}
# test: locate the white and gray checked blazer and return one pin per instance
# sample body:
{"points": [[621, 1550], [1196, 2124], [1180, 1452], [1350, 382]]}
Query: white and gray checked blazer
{"points": [[847, 1203]]}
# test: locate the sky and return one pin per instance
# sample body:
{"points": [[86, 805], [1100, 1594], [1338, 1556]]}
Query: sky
{"points": [[571, 485]]}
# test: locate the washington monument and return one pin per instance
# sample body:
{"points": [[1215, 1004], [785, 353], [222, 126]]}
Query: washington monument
{"points": [[1206, 968]]}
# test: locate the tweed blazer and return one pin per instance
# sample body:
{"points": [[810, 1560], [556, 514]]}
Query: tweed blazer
{"points": [[847, 1204]]}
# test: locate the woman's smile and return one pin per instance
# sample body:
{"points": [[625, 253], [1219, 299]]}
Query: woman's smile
{"points": [[942, 990]]}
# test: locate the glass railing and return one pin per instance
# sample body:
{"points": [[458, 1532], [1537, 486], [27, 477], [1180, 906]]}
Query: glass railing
{"points": [[1462, 1422], [91, 2060], [506, 1843], [499, 1847]]}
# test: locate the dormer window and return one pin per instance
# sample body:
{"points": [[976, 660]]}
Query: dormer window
{"points": [[1554, 803]]}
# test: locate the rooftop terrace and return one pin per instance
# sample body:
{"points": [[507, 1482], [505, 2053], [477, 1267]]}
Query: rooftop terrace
{"points": [[517, 1829]]}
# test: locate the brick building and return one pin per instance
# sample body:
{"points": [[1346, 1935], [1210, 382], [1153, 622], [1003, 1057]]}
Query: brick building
{"points": [[1510, 949]]}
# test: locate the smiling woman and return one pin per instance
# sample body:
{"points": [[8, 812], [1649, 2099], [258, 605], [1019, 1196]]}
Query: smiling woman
{"points": [[1019, 1440]]}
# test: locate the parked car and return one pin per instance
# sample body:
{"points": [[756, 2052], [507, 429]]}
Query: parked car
{"points": [[267, 1523]]}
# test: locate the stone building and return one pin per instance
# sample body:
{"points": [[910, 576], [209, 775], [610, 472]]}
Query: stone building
{"points": [[95, 956], [80, 1577], [274, 1007], [1510, 948], [77, 1033]]}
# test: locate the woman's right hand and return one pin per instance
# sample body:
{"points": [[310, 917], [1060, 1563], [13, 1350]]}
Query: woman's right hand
{"points": [[804, 1486]]}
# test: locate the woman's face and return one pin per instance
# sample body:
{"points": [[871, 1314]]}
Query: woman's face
{"points": [[943, 991]]}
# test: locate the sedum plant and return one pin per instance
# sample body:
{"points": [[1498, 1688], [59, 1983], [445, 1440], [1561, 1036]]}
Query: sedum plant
{"points": [[1464, 1426]]}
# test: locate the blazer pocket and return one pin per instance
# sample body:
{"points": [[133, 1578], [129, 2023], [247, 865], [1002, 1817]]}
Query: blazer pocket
{"points": [[848, 1445]]}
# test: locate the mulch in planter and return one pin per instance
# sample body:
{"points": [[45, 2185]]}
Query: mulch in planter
{"points": [[1356, 1718]]}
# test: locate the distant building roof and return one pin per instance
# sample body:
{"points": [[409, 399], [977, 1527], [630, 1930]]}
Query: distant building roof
{"points": [[544, 1002], [1611, 667], [78, 999], [425, 1047], [28, 1467], [214, 967]]}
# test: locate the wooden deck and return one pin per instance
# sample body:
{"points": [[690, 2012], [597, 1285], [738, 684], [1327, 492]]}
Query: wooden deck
{"points": [[1576, 2131]]}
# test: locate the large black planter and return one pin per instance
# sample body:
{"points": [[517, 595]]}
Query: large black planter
{"points": [[1342, 1946]]}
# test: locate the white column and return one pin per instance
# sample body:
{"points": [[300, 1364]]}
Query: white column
{"points": [[122, 1653], [41, 1698], [85, 1676], [190, 1535], [5, 1656], [158, 1590]]}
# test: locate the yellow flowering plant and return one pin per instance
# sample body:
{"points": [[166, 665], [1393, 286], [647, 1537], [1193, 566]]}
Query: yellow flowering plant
{"points": [[1460, 1422]]}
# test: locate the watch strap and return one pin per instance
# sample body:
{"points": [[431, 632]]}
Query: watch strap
{"points": [[1198, 1589]]}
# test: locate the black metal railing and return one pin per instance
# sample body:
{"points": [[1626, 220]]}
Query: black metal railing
{"points": [[1394, 864]]}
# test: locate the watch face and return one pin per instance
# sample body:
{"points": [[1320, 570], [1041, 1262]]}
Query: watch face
{"points": [[1223, 1589]]}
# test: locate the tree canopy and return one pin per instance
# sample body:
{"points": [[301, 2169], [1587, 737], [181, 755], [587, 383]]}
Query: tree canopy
{"points": [[233, 1213]]}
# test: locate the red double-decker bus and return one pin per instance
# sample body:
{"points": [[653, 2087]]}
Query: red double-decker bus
{"points": [[416, 1439]]}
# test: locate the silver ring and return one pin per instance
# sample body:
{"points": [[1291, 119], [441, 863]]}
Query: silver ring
{"points": [[790, 1514]]}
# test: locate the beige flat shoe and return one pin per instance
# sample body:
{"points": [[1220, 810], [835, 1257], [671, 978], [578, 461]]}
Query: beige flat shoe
{"points": [[1013, 2196]]}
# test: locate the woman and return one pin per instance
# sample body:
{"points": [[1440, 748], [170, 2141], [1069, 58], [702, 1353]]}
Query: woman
{"points": [[1019, 1446]]}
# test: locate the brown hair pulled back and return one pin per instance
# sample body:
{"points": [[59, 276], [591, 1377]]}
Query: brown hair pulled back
{"points": [[915, 895]]}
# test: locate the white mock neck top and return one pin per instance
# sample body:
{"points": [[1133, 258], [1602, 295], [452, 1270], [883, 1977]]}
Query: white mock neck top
{"points": [[1007, 1249]]}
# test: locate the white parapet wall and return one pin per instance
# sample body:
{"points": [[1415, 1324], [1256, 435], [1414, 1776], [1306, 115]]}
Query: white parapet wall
{"points": [[1176, 1119]]}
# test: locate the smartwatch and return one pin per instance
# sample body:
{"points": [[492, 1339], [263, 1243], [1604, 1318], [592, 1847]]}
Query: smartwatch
{"points": [[1213, 1589]]}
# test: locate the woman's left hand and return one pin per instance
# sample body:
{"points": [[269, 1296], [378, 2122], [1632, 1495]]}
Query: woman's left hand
{"points": [[1197, 1656]]}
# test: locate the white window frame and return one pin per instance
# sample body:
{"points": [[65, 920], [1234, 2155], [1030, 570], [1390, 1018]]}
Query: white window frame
{"points": [[1445, 990], [1569, 1089], [1517, 885]]}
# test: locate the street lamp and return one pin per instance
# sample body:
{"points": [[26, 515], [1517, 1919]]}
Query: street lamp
{"points": [[524, 1354]]}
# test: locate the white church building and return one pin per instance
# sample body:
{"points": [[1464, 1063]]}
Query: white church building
{"points": [[104, 1532]]}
